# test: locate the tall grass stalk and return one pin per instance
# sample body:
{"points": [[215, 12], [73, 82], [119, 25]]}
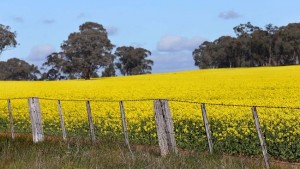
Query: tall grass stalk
{"points": [[23, 153]]}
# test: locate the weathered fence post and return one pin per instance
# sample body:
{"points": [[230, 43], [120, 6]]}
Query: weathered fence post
{"points": [[36, 119], [90, 118], [207, 129], [62, 121], [12, 131], [164, 127], [124, 124], [261, 137]]}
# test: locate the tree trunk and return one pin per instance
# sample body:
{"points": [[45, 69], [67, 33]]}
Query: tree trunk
{"points": [[270, 56], [87, 75], [296, 57]]}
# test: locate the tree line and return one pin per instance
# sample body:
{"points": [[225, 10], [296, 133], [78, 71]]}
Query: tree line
{"points": [[86, 52], [252, 46], [82, 55]]}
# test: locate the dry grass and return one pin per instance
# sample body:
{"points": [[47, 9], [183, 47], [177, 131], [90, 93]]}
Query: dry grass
{"points": [[78, 153]]}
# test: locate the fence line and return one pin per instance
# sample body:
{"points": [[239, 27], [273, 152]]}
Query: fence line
{"points": [[163, 119], [152, 99]]}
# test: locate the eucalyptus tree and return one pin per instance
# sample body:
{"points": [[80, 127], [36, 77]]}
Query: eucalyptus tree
{"points": [[83, 53], [133, 61], [252, 46], [7, 38], [56, 67], [244, 35], [204, 56], [17, 69], [291, 37], [272, 38]]}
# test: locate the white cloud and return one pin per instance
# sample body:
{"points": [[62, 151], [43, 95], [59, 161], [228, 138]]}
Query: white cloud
{"points": [[172, 61], [18, 19], [171, 43], [138, 44], [111, 30], [48, 21], [229, 15], [81, 15], [39, 53]]}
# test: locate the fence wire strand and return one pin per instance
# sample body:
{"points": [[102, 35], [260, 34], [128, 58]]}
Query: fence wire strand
{"points": [[188, 122], [152, 99]]}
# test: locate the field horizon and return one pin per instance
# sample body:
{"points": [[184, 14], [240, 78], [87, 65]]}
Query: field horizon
{"points": [[204, 82]]}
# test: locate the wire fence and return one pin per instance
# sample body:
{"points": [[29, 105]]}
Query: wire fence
{"points": [[232, 127]]}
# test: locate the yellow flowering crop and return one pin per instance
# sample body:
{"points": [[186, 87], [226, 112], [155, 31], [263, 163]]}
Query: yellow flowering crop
{"points": [[233, 129]]}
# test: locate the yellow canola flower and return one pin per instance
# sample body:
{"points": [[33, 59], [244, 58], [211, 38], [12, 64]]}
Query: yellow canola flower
{"points": [[269, 86]]}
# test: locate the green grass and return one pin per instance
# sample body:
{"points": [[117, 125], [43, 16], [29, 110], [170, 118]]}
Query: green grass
{"points": [[23, 153]]}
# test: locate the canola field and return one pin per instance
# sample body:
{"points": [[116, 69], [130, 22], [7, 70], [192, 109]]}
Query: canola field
{"points": [[228, 94]]}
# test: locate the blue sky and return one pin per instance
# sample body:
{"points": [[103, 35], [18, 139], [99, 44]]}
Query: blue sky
{"points": [[170, 29]]}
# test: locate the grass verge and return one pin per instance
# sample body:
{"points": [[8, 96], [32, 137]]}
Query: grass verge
{"points": [[23, 153]]}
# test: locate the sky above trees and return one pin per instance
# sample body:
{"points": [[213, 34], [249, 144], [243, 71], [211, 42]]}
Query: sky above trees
{"points": [[170, 29]]}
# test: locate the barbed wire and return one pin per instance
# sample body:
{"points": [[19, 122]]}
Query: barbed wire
{"points": [[235, 105], [14, 98], [152, 99], [101, 100]]}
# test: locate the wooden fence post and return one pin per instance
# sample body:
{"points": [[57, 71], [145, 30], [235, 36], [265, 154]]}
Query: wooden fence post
{"points": [[36, 119], [261, 137], [90, 118], [164, 127], [62, 121], [207, 129], [124, 124], [12, 131]]}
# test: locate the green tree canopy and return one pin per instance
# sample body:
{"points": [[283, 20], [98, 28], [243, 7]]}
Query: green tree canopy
{"points": [[83, 53], [7, 38], [132, 61], [56, 69], [252, 46], [17, 69], [109, 71]]}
